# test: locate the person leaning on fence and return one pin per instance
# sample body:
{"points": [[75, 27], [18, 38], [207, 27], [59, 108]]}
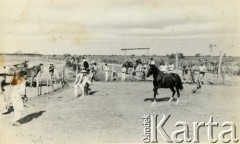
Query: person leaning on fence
{"points": [[80, 82], [106, 69], [124, 70], [18, 86]]}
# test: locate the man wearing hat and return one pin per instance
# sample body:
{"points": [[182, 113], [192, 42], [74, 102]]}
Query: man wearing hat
{"points": [[151, 62], [51, 70], [80, 81], [18, 92]]}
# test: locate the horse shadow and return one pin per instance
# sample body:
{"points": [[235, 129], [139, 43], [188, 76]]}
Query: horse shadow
{"points": [[92, 92], [30, 117], [158, 99]]}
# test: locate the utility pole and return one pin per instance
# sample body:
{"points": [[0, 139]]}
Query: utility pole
{"points": [[219, 66], [176, 61]]}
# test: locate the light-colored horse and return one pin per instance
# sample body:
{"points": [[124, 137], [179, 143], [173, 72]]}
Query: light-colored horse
{"points": [[11, 69], [32, 72]]}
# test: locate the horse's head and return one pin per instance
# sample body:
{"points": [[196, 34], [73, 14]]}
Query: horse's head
{"points": [[150, 70]]}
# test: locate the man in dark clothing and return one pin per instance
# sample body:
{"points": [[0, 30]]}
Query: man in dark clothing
{"points": [[51, 70]]}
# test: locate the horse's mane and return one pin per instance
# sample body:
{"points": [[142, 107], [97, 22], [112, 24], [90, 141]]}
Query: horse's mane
{"points": [[156, 69], [19, 64], [34, 66]]}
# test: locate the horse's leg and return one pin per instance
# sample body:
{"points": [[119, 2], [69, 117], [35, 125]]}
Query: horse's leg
{"points": [[154, 95], [173, 93], [31, 81], [178, 96]]}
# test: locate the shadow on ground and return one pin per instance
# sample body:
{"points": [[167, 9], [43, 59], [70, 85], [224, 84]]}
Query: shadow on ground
{"points": [[92, 92], [159, 99], [30, 117]]}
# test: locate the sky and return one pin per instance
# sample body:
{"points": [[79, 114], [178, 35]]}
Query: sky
{"points": [[104, 27]]}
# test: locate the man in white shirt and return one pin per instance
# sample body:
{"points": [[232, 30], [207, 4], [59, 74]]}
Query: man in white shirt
{"points": [[106, 69], [171, 68], [164, 68], [152, 62], [202, 71], [124, 70], [80, 81]]}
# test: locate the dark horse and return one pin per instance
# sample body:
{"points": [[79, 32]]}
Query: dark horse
{"points": [[165, 80]]}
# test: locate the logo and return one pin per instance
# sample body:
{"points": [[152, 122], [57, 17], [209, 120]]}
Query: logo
{"points": [[153, 129]]}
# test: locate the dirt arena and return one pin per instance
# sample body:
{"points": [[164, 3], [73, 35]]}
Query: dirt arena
{"points": [[113, 112]]}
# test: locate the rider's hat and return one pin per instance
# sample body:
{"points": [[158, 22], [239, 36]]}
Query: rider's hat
{"points": [[83, 71]]}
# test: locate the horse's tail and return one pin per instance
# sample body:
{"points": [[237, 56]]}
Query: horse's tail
{"points": [[179, 82]]}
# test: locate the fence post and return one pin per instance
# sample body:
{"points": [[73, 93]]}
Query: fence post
{"points": [[176, 62], [76, 70], [219, 66], [37, 84], [55, 81], [47, 84], [51, 81], [112, 74], [40, 83]]}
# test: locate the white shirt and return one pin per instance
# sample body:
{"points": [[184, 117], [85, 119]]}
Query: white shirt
{"points": [[124, 70], [163, 68], [171, 67], [202, 68], [106, 68], [79, 79], [18, 90], [152, 62]]}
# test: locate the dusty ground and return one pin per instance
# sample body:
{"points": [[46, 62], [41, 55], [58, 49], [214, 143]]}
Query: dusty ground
{"points": [[113, 113], [114, 110]]}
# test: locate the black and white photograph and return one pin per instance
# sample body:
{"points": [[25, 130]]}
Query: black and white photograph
{"points": [[119, 71]]}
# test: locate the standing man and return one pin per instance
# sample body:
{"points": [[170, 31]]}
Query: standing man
{"points": [[106, 69], [18, 86], [192, 73], [131, 66], [164, 67], [95, 70], [202, 71], [4, 98], [151, 62], [124, 70], [51, 70], [223, 72], [86, 65], [171, 68], [80, 82]]}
